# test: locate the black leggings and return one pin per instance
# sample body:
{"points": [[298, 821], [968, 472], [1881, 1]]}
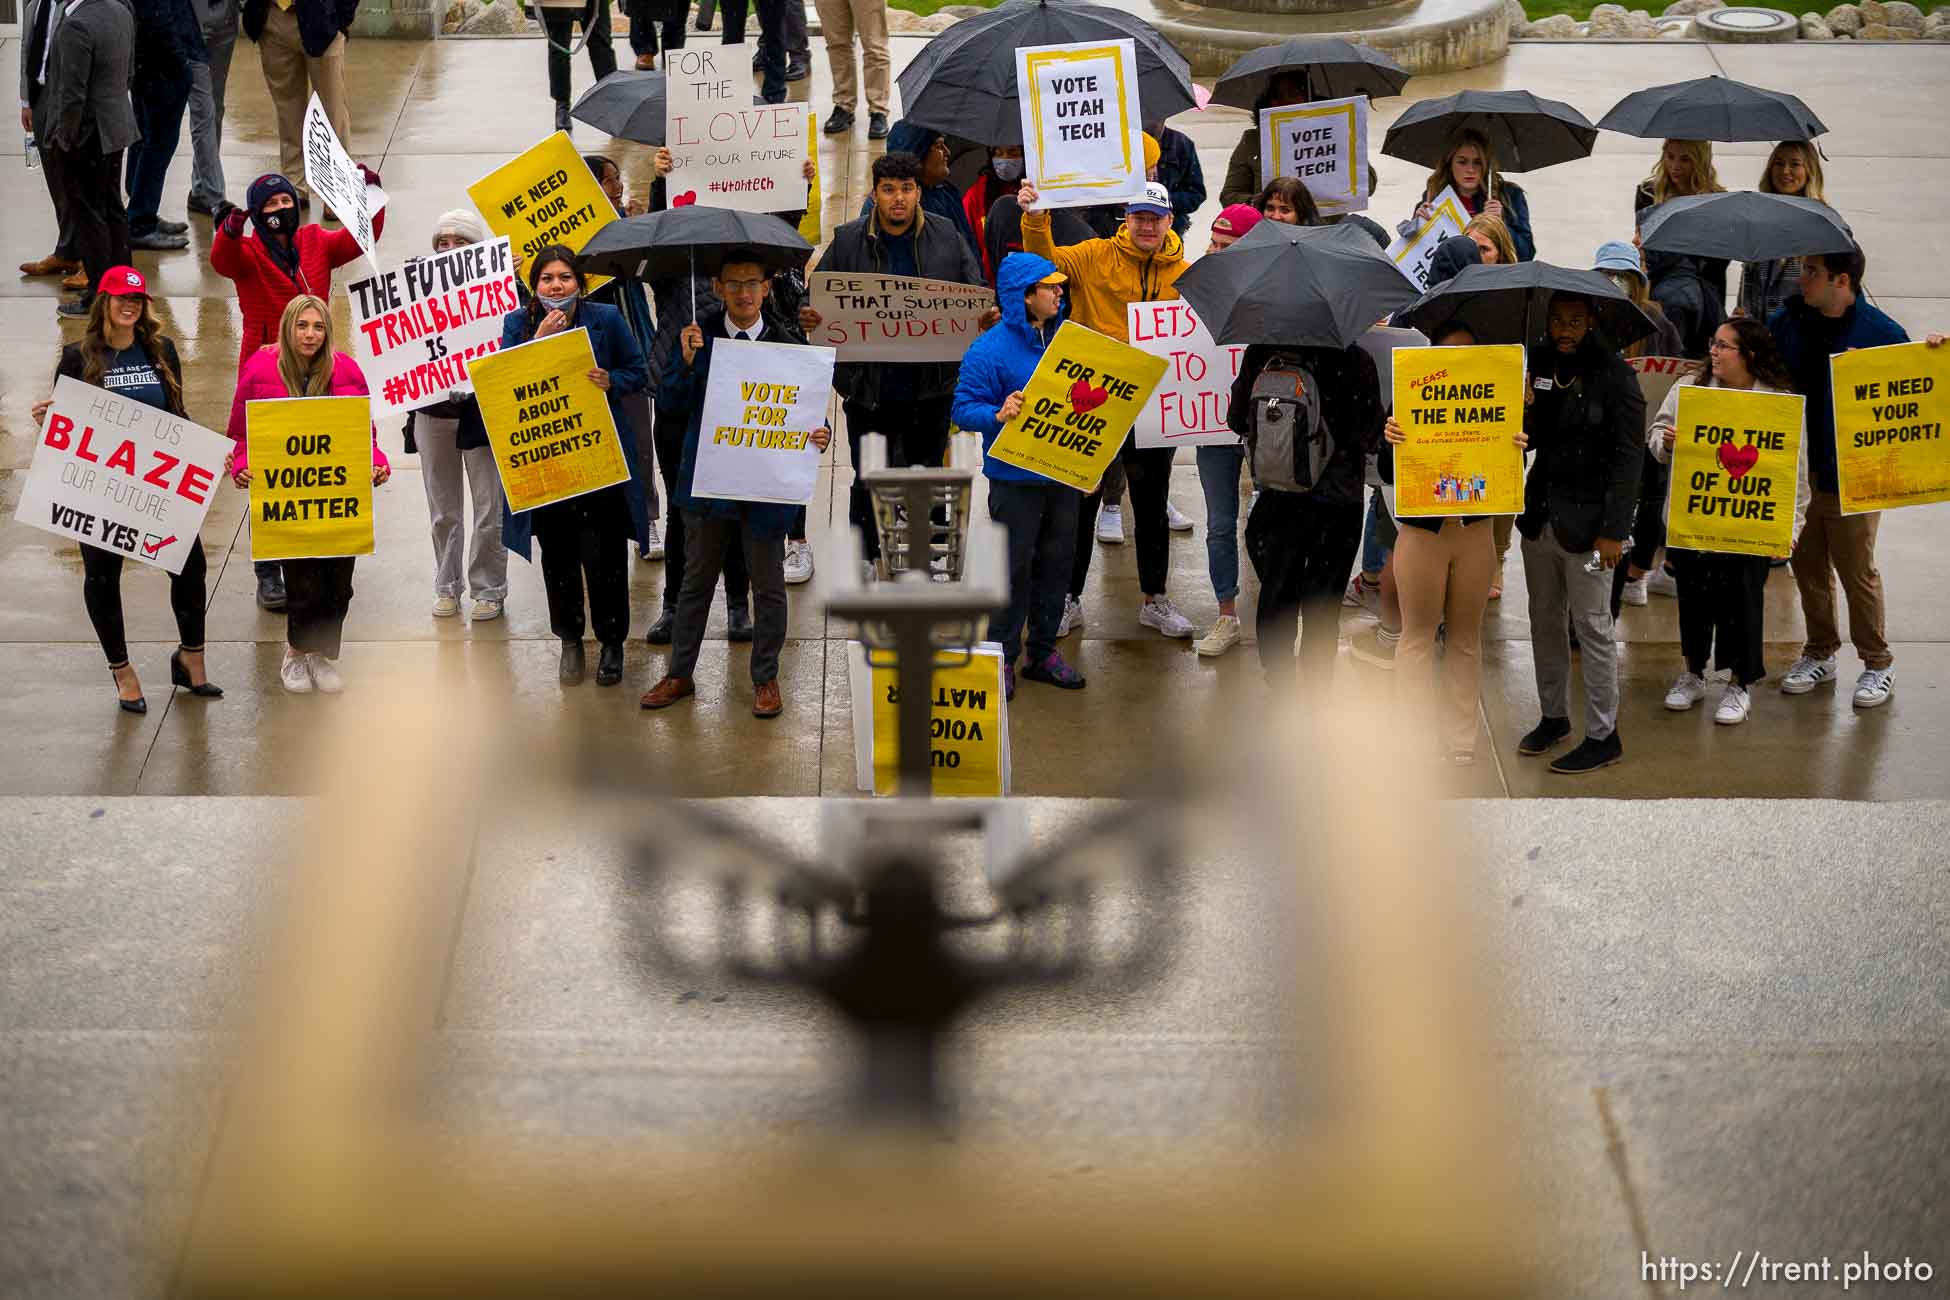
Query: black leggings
{"points": [[317, 595], [1149, 473], [101, 590]]}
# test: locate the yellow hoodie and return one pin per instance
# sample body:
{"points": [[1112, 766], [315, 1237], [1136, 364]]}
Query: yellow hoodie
{"points": [[1107, 274]]}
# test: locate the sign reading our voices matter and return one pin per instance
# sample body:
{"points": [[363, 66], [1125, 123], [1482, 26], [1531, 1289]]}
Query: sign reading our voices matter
{"points": [[1082, 135], [1324, 145], [311, 477]]}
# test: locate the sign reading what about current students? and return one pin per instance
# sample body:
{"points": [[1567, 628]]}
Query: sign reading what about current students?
{"points": [[121, 475], [1082, 130], [1324, 145], [548, 423], [336, 179], [725, 151], [424, 320], [761, 406], [544, 196], [869, 317], [1891, 406], [311, 477], [1085, 394], [1460, 409], [1412, 253], [1190, 404], [1736, 463], [968, 727]]}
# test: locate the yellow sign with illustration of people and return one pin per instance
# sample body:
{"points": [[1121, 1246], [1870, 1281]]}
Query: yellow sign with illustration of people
{"points": [[311, 477], [1085, 395], [1891, 406], [1736, 465], [544, 196], [1461, 409], [548, 423], [969, 739]]}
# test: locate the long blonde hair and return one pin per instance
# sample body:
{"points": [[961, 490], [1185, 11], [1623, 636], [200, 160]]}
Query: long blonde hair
{"points": [[148, 336], [1492, 174], [1506, 247], [1808, 157], [1705, 179], [304, 378]]}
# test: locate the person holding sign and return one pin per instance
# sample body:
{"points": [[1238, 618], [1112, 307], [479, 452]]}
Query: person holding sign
{"points": [[1722, 596], [304, 364], [283, 260], [124, 351], [1469, 167]]}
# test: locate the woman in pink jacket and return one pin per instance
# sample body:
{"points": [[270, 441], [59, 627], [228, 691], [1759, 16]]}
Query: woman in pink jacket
{"points": [[303, 364]]}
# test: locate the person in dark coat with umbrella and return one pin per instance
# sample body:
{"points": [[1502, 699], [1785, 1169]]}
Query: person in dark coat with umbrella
{"points": [[1470, 168], [1794, 168], [939, 196], [1692, 291]]}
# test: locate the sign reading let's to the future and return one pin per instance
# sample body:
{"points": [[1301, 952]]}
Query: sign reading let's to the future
{"points": [[1192, 403], [1078, 405], [424, 320], [725, 151], [1082, 133]]}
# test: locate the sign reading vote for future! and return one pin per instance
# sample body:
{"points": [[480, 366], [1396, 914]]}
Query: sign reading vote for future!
{"points": [[1082, 134], [544, 196], [547, 421], [1736, 461], [1460, 409], [1891, 405], [761, 406], [424, 320], [311, 477], [1084, 396], [870, 317]]}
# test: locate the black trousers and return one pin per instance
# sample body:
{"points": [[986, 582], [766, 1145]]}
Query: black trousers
{"points": [[101, 591], [792, 31], [1721, 604], [99, 223], [317, 595], [1148, 472], [64, 225], [560, 24], [712, 538], [1301, 548], [646, 16], [1041, 519], [916, 433], [669, 439], [585, 545]]}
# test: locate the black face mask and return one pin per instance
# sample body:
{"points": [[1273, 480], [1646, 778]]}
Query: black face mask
{"points": [[281, 222]]}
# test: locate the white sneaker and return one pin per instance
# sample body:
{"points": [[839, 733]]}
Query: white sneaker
{"points": [[1375, 646], [1688, 689], [1252, 501], [1362, 594], [1223, 636], [1733, 706], [869, 572], [484, 610], [1634, 591], [1159, 613], [446, 606], [1660, 582], [295, 673], [655, 549], [1872, 688], [325, 674], [1175, 519], [798, 562], [1807, 674], [1072, 617], [1110, 525]]}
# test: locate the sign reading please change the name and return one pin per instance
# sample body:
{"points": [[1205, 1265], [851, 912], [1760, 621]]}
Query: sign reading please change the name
{"points": [[725, 151], [869, 317], [761, 406], [1461, 409], [423, 321], [1082, 134], [1324, 145]]}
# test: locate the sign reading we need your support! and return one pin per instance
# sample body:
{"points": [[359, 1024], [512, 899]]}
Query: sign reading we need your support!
{"points": [[1190, 404], [1460, 409], [1891, 405], [311, 477], [725, 151], [544, 196], [1324, 145], [423, 321], [548, 423], [1084, 396], [1736, 462], [870, 317], [761, 406], [1082, 134]]}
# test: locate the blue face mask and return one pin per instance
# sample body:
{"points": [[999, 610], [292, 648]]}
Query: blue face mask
{"points": [[562, 303]]}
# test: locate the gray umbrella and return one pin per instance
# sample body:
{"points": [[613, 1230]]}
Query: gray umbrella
{"points": [[628, 105], [1712, 108], [1334, 68], [1524, 132], [1303, 286], [1744, 226], [1508, 303]]}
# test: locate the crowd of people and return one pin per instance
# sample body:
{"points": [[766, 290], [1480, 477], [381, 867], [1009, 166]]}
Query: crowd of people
{"points": [[98, 81]]}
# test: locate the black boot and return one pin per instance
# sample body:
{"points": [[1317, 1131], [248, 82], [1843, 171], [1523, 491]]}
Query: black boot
{"points": [[1589, 756], [572, 663], [1543, 736], [659, 633], [270, 594], [609, 665], [738, 623]]}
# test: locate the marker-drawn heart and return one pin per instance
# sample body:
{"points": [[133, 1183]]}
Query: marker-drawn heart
{"points": [[1737, 460], [1087, 399], [685, 199]]}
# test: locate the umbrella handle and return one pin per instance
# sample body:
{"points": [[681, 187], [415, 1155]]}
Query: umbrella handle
{"points": [[693, 252]]}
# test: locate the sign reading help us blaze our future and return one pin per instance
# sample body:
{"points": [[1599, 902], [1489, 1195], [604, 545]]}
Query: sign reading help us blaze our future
{"points": [[544, 196], [422, 322], [1460, 409], [1891, 404], [1086, 393], [1736, 462], [548, 423], [311, 477]]}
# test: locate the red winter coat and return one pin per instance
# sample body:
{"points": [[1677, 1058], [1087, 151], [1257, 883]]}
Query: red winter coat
{"points": [[263, 289]]}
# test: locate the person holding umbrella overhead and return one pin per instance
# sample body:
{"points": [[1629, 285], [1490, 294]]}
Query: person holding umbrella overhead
{"points": [[1469, 166], [1296, 71], [1692, 291], [1793, 169]]}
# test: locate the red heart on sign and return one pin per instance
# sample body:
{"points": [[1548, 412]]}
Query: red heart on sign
{"points": [[1737, 460], [1087, 399], [685, 199]]}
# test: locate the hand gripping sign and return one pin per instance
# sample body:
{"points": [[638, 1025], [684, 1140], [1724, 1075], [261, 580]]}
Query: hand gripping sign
{"points": [[1891, 405], [337, 180], [1084, 396], [423, 321], [548, 423], [1736, 461], [1412, 253], [544, 196], [1190, 405], [1323, 144], [311, 477], [1461, 409], [1082, 132], [761, 406], [870, 317]]}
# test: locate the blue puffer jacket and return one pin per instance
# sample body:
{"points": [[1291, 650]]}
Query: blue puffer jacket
{"points": [[1001, 361]]}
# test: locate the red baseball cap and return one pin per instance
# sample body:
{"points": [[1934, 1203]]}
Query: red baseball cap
{"points": [[120, 280]]}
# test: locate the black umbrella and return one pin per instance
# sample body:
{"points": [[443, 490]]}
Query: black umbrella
{"points": [[1744, 226], [1524, 132], [1507, 303], [1334, 69], [628, 105], [683, 241], [964, 80], [1712, 108], [1306, 286]]}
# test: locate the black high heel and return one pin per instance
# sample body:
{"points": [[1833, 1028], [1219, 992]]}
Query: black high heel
{"points": [[138, 705], [180, 676]]}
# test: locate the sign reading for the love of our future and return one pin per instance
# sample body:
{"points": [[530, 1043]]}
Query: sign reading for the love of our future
{"points": [[1736, 463], [424, 320], [121, 475], [544, 196], [1082, 399], [725, 151], [869, 317], [1412, 253], [761, 405], [548, 423], [311, 477], [1460, 409], [1082, 130], [1324, 145], [1190, 404], [1891, 405], [337, 180], [968, 726]]}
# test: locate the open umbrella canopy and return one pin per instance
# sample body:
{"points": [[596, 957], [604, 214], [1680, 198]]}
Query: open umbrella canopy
{"points": [[627, 104], [963, 82], [1304, 286], [1744, 226], [1524, 131], [1712, 108], [1334, 69], [684, 240], [1509, 303]]}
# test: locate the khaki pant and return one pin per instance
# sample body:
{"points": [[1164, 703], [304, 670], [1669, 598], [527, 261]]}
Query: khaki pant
{"points": [[291, 75], [1833, 543], [842, 20], [1444, 578]]}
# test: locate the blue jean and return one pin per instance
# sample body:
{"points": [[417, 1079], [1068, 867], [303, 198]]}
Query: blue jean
{"points": [[160, 94], [1218, 474], [1377, 535]]}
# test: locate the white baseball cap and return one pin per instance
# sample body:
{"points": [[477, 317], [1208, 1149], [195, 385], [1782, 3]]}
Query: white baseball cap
{"points": [[1156, 198]]}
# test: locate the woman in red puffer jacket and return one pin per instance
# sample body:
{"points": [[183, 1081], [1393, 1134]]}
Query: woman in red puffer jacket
{"points": [[281, 259]]}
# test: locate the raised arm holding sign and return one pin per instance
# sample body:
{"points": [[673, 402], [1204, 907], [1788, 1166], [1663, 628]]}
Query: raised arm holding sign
{"points": [[340, 182], [725, 151]]}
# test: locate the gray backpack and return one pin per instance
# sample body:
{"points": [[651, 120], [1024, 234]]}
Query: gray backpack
{"points": [[1286, 438]]}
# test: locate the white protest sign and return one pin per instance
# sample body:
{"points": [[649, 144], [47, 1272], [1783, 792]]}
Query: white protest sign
{"points": [[1082, 132], [1189, 406], [725, 151], [1324, 145], [121, 475], [423, 321], [871, 317], [336, 179], [1412, 253], [760, 408]]}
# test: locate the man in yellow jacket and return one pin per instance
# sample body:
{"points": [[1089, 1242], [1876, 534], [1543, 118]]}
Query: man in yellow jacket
{"points": [[1141, 263]]}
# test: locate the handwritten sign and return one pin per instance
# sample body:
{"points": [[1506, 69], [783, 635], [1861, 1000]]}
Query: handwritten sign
{"points": [[1190, 404], [336, 179], [1461, 409], [423, 321], [1077, 407], [1082, 132], [311, 477], [871, 317], [1324, 145], [544, 196], [725, 151], [549, 425], [1412, 253], [1736, 464], [1891, 404], [760, 407]]}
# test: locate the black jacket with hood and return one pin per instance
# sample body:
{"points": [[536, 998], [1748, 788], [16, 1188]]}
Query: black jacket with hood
{"points": [[940, 253], [1350, 407]]}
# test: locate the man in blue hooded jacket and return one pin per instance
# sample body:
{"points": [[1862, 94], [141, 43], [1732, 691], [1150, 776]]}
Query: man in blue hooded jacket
{"points": [[1040, 514]]}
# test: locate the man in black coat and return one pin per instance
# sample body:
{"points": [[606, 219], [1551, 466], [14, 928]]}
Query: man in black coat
{"points": [[37, 24], [302, 49], [83, 123], [1586, 422], [168, 48]]}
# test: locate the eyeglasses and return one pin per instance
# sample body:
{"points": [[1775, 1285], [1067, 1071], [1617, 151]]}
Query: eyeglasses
{"points": [[1718, 346], [743, 286]]}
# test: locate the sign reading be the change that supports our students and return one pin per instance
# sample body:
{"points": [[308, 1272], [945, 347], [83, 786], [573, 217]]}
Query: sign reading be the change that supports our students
{"points": [[1736, 463], [869, 317], [1324, 145], [1891, 406], [1190, 404], [1082, 400], [548, 423], [337, 180], [761, 406], [544, 196], [311, 477], [1460, 409], [424, 320], [1082, 132], [725, 151]]}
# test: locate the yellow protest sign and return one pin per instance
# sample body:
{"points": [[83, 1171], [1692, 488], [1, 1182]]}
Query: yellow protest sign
{"points": [[970, 742], [545, 196], [1461, 409], [1736, 462], [548, 423], [809, 224], [1891, 404], [311, 477], [1086, 393]]}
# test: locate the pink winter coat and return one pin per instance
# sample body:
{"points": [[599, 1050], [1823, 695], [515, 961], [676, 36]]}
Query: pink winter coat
{"points": [[259, 380]]}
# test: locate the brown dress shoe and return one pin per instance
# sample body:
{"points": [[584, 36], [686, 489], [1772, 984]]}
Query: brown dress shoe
{"points": [[646, 62], [49, 265], [75, 283], [667, 692], [766, 701]]}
